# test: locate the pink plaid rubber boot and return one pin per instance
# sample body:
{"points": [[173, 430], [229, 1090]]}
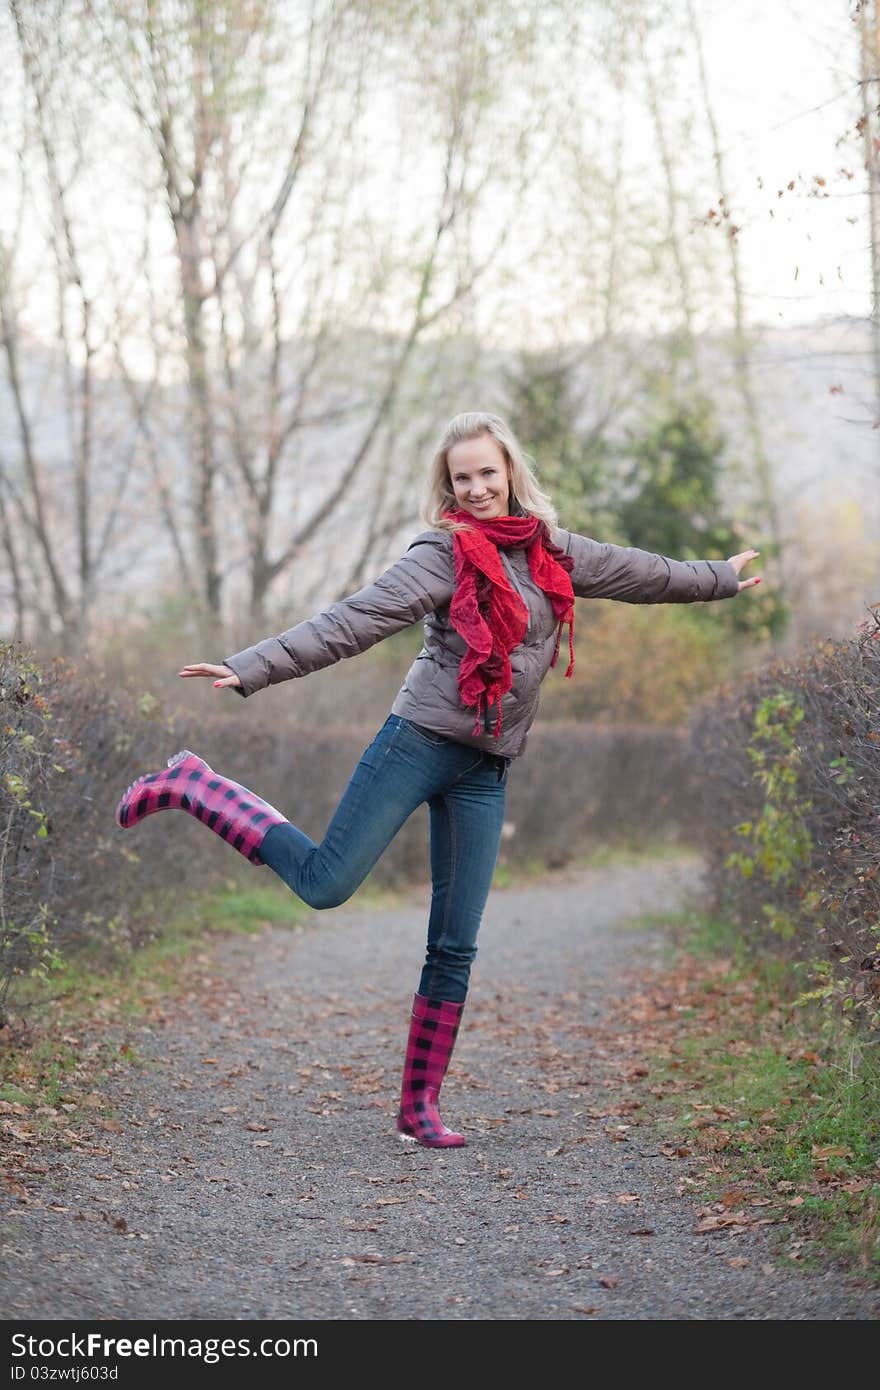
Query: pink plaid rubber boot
{"points": [[432, 1034], [189, 784]]}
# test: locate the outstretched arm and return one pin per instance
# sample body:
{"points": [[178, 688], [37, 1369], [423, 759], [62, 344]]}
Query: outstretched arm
{"points": [[638, 576], [419, 582]]}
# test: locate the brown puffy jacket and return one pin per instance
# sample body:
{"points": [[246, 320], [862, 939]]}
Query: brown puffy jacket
{"points": [[420, 586]]}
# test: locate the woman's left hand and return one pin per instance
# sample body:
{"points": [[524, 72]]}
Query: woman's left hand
{"points": [[739, 562]]}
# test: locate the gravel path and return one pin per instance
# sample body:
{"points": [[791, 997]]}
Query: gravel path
{"points": [[254, 1172]]}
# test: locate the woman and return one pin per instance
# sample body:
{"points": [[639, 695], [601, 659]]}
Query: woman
{"points": [[495, 581]]}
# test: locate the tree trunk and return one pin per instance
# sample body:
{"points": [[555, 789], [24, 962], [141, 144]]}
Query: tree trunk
{"points": [[869, 48], [685, 335], [36, 512], [7, 531], [767, 497]]}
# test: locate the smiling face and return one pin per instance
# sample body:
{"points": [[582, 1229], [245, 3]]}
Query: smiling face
{"points": [[479, 477]]}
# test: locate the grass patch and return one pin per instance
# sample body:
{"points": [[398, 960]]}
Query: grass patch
{"points": [[668, 922], [630, 854], [623, 855], [517, 875], [250, 910], [782, 1102]]}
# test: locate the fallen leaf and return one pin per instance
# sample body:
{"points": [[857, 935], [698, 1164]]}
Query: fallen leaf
{"points": [[731, 1198], [825, 1151], [720, 1223]]}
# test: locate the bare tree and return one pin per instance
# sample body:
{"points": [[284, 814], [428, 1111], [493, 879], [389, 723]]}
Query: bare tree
{"points": [[10, 547], [742, 363], [673, 239], [176, 64], [31, 497], [51, 486], [75, 331], [868, 18], [262, 323]]}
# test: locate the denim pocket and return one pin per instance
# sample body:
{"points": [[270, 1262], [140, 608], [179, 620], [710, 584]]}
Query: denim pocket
{"points": [[434, 740]]}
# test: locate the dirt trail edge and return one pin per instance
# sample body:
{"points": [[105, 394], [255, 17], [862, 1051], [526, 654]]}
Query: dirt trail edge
{"points": [[255, 1173]]}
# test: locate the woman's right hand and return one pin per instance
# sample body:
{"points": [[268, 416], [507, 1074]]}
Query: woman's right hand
{"points": [[222, 674]]}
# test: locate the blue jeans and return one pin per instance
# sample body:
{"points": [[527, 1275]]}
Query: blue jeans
{"points": [[404, 766]]}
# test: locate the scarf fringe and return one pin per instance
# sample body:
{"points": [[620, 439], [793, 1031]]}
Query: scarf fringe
{"points": [[570, 671], [488, 612], [480, 720]]}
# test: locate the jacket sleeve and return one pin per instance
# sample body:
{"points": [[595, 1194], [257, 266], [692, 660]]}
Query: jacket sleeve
{"points": [[415, 585], [638, 576]]}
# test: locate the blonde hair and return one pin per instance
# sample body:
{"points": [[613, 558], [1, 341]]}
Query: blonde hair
{"points": [[524, 487]]}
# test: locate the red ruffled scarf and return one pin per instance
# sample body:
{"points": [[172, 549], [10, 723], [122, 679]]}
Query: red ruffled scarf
{"points": [[486, 609]]}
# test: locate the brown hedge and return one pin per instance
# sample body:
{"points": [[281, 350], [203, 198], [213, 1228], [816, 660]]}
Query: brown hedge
{"points": [[831, 901]]}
